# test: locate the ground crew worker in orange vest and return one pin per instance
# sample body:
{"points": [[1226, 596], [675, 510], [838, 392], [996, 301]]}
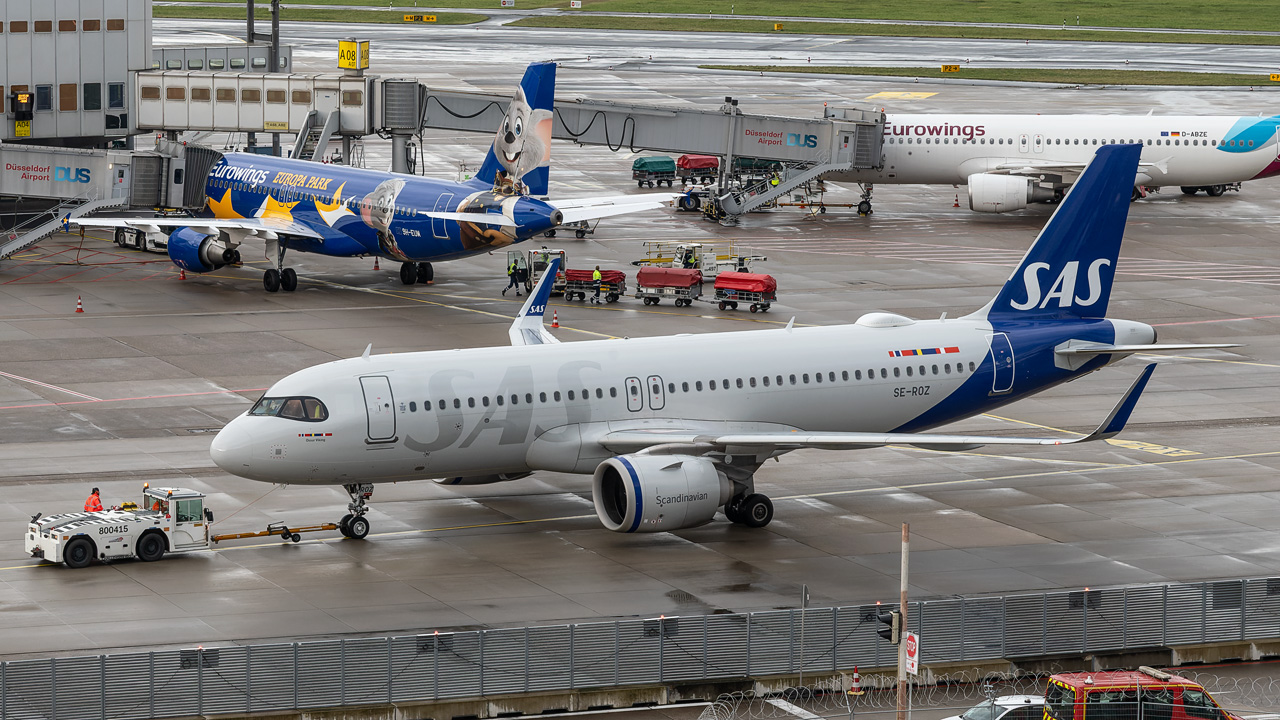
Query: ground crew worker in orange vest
{"points": [[94, 503]]}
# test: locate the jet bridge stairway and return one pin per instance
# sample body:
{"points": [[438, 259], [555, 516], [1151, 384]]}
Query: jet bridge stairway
{"points": [[50, 221], [792, 176], [316, 133]]}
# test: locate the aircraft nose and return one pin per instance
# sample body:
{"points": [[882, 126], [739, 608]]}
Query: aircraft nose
{"points": [[232, 449]]}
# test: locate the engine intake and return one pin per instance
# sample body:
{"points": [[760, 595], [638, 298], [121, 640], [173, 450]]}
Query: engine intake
{"points": [[993, 193], [657, 493], [197, 252]]}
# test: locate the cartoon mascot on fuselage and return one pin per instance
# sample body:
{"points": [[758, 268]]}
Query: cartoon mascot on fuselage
{"points": [[522, 144], [378, 209]]}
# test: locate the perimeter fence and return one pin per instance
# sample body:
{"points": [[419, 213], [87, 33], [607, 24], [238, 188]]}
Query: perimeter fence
{"points": [[670, 650]]}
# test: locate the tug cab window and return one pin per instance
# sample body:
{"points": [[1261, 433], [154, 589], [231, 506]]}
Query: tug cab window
{"points": [[307, 409]]}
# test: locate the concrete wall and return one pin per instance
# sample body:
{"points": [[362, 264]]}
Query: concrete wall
{"points": [[49, 45]]}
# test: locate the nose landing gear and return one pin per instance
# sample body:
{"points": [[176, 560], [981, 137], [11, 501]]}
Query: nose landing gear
{"points": [[354, 524]]}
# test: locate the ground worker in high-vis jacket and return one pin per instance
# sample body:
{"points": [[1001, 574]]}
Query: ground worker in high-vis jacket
{"points": [[595, 280], [93, 503]]}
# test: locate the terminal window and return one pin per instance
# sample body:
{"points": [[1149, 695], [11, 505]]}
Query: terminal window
{"points": [[301, 97], [217, 63], [226, 95], [200, 94], [175, 93], [352, 97], [195, 64], [44, 97], [237, 63], [18, 26], [93, 96], [91, 25], [44, 26], [115, 95], [115, 23], [66, 26], [150, 92], [276, 96], [67, 97], [259, 62], [251, 95]]}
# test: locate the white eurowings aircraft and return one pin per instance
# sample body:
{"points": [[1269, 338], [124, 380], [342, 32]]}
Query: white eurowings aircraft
{"points": [[1008, 161], [671, 431]]}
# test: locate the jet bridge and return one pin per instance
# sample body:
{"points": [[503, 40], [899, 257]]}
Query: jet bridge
{"points": [[804, 148]]}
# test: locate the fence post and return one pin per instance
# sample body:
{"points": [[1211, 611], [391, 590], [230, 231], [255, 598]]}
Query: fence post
{"points": [[749, 644], [963, 629], [480, 635], [1204, 611], [1244, 613], [102, 685], [199, 680], [791, 641], [53, 686], [835, 639], [1004, 626], [391, 676], [526, 658], [662, 647], [248, 679], [573, 670], [1084, 623], [1164, 616], [4, 693], [295, 675], [617, 648], [1124, 621], [706, 659], [1044, 623], [342, 671], [151, 683], [435, 668]]}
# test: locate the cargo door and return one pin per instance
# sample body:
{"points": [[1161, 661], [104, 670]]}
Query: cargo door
{"points": [[380, 406], [657, 396], [635, 395], [1001, 363], [439, 226], [189, 529]]}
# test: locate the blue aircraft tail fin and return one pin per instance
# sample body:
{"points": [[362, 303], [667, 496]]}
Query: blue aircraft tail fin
{"points": [[521, 152], [1067, 272]]}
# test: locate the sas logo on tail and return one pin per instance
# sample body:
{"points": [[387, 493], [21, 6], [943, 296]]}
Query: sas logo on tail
{"points": [[1064, 288]]}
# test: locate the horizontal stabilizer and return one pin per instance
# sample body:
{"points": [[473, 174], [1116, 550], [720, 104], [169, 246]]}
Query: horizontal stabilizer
{"points": [[1130, 349], [479, 218]]}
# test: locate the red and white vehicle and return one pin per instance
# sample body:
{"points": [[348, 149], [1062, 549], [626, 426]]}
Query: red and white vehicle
{"points": [[1145, 693]]}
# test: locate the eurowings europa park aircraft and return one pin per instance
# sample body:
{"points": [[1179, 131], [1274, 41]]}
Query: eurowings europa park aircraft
{"points": [[345, 212], [670, 433], [1008, 161]]}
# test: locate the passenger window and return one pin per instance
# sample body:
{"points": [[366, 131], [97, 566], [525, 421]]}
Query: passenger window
{"points": [[921, 371], [600, 393], [485, 401], [556, 395], [498, 399], [471, 402], [897, 372], [765, 379], [698, 386], [817, 377], [515, 399], [844, 375], [413, 406], [671, 388], [739, 383], [613, 391], [635, 391], [779, 379], [711, 384], [947, 368], [970, 367], [935, 369], [542, 397], [752, 381], [725, 384], [586, 394], [684, 386], [571, 394], [857, 374], [805, 378], [908, 371]]}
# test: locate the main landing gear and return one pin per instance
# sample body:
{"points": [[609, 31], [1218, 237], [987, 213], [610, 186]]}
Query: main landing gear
{"points": [[279, 277], [354, 524], [750, 509], [422, 272]]}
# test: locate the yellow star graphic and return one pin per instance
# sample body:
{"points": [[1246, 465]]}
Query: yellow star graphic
{"points": [[275, 210], [223, 209]]}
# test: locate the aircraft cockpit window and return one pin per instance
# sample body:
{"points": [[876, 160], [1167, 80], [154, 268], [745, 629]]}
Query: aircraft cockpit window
{"points": [[296, 408]]}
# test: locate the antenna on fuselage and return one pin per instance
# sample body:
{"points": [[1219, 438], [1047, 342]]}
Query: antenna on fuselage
{"points": [[368, 349]]}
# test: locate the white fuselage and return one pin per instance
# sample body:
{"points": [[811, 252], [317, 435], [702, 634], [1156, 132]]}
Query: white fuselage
{"points": [[512, 410], [1177, 150]]}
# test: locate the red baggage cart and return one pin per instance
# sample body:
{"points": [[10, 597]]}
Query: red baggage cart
{"points": [[655, 283], [692, 168], [613, 284], [734, 287]]}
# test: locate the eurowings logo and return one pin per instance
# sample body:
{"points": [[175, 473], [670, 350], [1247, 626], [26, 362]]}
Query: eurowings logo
{"points": [[1064, 288]]}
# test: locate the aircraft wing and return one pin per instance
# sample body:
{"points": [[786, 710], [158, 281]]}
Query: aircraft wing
{"points": [[482, 218], [1068, 170], [264, 227], [776, 443], [1097, 349], [528, 328], [579, 209]]}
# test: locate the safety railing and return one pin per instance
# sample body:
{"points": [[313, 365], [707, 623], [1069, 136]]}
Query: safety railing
{"points": [[476, 664]]}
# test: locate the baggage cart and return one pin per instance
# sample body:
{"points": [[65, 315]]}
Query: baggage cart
{"points": [[613, 284], [655, 169], [710, 258], [692, 169], [735, 287], [655, 283]]}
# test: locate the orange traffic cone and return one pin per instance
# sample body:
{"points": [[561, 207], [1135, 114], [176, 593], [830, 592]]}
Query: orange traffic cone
{"points": [[79, 305], [375, 262], [182, 275], [957, 200], [555, 319]]}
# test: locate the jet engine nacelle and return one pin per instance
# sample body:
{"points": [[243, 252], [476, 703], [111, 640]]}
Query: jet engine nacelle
{"points": [[1003, 193], [657, 493], [198, 252]]}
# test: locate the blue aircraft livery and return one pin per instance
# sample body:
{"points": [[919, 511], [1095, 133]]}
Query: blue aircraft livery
{"points": [[342, 211]]}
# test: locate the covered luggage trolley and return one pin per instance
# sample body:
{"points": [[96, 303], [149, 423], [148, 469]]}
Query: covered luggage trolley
{"points": [[655, 283], [655, 169], [613, 284], [735, 287], [692, 169]]}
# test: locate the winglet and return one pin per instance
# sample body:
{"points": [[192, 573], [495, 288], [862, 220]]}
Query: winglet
{"points": [[527, 328], [367, 349], [1115, 422]]}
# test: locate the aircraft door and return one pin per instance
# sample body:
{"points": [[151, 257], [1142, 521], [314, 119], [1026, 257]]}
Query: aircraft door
{"points": [[635, 395], [1022, 143], [1001, 362], [439, 228], [657, 396], [1039, 144], [380, 406]]}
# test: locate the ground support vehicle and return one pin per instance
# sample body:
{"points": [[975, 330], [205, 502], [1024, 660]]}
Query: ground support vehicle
{"points": [[653, 284], [613, 284], [735, 287], [653, 170], [692, 169], [167, 520], [1210, 190], [693, 200], [538, 262], [1005, 707], [582, 228], [522, 269], [708, 258], [1142, 694]]}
